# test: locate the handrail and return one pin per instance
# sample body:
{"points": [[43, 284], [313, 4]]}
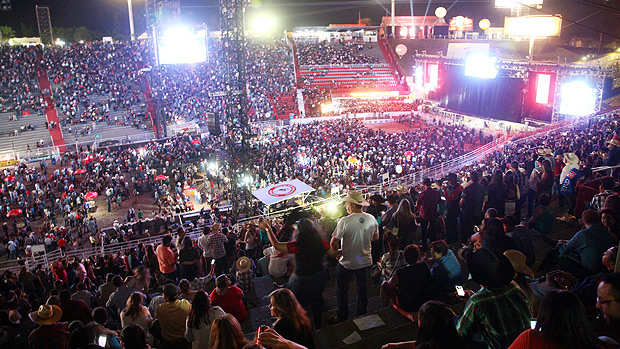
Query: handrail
{"points": [[359, 65]]}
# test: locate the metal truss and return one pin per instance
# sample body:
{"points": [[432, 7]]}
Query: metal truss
{"points": [[45, 25]]}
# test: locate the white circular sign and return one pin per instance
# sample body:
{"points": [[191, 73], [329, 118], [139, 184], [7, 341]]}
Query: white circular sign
{"points": [[441, 12], [282, 190]]}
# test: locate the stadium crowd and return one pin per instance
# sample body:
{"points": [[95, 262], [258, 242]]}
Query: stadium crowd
{"points": [[475, 228], [337, 53]]}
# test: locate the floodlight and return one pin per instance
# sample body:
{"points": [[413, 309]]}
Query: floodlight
{"points": [[180, 45], [263, 24], [327, 108], [403, 31], [481, 66], [577, 98]]}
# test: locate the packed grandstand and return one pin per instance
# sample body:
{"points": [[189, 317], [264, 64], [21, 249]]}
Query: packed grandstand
{"points": [[134, 243]]}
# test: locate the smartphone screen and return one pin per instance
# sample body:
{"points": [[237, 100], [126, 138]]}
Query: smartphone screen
{"points": [[102, 340], [533, 324], [459, 291], [213, 262]]}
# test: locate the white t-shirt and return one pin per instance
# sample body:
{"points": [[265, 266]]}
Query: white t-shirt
{"points": [[355, 233], [278, 261], [202, 243]]}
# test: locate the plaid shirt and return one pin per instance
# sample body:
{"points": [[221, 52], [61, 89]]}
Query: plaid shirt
{"points": [[216, 243], [520, 181], [389, 265], [598, 201], [244, 281], [499, 315]]}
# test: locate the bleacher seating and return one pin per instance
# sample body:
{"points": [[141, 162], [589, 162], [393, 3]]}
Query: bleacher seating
{"points": [[373, 75], [19, 143]]}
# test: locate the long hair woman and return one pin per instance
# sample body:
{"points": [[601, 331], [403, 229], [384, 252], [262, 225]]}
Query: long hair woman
{"points": [[200, 319], [437, 329], [562, 323], [136, 313], [309, 249], [292, 322], [226, 333], [404, 220]]}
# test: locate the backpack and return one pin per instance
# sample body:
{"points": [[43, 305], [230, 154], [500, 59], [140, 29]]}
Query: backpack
{"points": [[569, 185]]}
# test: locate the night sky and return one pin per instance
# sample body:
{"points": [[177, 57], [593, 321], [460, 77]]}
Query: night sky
{"points": [[109, 16]]}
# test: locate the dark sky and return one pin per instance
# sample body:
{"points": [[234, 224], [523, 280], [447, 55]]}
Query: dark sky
{"points": [[107, 16]]}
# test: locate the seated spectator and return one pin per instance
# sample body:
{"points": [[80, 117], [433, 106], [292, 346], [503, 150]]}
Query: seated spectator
{"points": [[226, 333], [106, 289], [393, 259], [272, 339], [51, 332], [118, 299], [278, 262], [436, 329], [136, 313], [517, 259], [498, 311], [542, 220], [446, 270], [496, 239], [83, 295], [229, 297], [133, 336], [611, 220], [243, 276], [200, 319], [186, 290], [73, 309], [140, 280], [608, 303], [102, 327], [411, 285], [292, 322], [561, 323], [171, 317], [83, 337], [521, 236]]}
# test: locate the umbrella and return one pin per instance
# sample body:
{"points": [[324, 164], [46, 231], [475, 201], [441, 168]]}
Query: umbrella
{"points": [[189, 191], [14, 212], [196, 141], [101, 158], [9, 179], [408, 153], [80, 171], [90, 195], [161, 178]]}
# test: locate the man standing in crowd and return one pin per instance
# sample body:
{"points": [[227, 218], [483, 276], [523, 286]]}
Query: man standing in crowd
{"points": [[608, 303], [166, 258], [172, 316], [499, 310], [453, 194], [521, 182], [471, 203], [427, 201], [352, 238], [216, 242]]}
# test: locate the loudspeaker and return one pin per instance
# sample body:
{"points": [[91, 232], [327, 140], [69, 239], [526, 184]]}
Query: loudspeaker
{"points": [[213, 124]]}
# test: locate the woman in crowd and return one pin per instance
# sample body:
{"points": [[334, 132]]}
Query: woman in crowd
{"points": [[136, 313], [542, 219], [140, 280], [393, 259], [496, 239], [404, 222], [546, 179], [562, 323], [309, 250], [292, 322], [611, 220], [134, 337], [437, 329], [229, 297], [226, 333], [189, 257], [150, 260], [497, 193], [200, 320]]}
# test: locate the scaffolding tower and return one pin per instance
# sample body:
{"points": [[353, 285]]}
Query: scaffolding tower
{"points": [[232, 67], [45, 25]]}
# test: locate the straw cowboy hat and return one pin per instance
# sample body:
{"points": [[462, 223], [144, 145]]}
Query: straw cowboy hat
{"points": [[615, 141], [545, 151], [488, 269], [571, 158], [402, 189], [355, 197], [244, 264], [517, 259], [46, 315]]}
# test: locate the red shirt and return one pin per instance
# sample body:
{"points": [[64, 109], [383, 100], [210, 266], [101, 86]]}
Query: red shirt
{"points": [[61, 242], [60, 273], [231, 302]]}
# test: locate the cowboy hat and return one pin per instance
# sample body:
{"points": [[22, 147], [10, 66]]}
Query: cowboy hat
{"points": [[244, 264], [46, 315], [355, 197], [615, 141], [571, 158], [402, 189], [517, 259], [544, 151], [378, 198], [488, 269]]}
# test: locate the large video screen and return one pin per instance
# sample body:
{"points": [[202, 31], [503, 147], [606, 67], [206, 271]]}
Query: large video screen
{"points": [[182, 46], [577, 98]]}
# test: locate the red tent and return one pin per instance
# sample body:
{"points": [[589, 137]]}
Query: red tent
{"points": [[14, 212]]}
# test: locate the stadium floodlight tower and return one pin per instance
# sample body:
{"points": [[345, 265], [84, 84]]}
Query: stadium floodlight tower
{"points": [[45, 25], [232, 68]]}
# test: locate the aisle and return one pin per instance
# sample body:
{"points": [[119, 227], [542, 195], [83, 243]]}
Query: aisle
{"points": [[50, 112]]}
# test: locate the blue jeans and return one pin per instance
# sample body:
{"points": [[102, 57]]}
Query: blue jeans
{"points": [[343, 279]]}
